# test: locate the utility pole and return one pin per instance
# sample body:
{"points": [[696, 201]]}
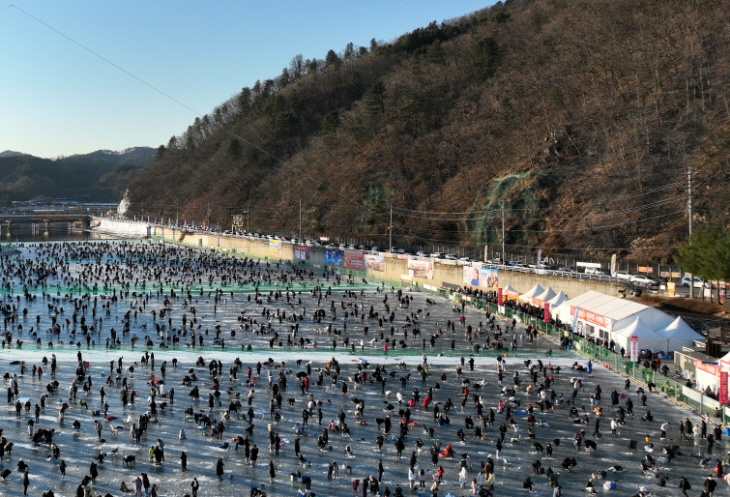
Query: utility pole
{"points": [[690, 214], [248, 217], [504, 256], [300, 220], [207, 216], [390, 231], [177, 213]]}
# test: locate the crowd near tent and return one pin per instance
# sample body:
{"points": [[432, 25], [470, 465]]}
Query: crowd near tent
{"points": [[603, 317]]}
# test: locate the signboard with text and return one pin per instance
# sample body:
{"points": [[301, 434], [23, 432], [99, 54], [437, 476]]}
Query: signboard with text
{"points": [[301, 252], [375, 262], [353, 259], [420, 268], [333, 257], [590, 317], [275, 247]]}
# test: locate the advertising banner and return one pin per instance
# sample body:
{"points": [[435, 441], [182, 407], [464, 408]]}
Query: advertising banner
{"points": [[486, 253], [375, 262], [500, 299], [546, 311], [471, 276], [301, 252], [589, 317], [670, 274], [634, 348], [420, 268], [646, 269], [613, 265], [488, 278], [275, 247], [353, 259], [333, 257], [723, 388]]}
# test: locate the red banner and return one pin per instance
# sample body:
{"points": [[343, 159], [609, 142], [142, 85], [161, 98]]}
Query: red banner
{"points": [[546, 317], [590, 317], [723, 388], [500, 300]]}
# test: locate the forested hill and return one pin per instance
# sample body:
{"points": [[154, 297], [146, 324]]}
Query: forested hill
{"points": [[99, 176], [581, 117]]}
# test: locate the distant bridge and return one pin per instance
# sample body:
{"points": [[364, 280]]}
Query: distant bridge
{"points": [[69, 216]]}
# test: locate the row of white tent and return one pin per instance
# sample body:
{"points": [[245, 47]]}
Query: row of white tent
{"points": [[618, 318]]}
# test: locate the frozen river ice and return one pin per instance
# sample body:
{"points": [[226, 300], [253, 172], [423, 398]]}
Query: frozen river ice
{"points": [[77, 447]]}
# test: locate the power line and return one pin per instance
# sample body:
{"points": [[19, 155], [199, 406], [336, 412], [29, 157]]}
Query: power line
{"points": [[472, 213], [228, 131], [605, 214], [599, 227]]}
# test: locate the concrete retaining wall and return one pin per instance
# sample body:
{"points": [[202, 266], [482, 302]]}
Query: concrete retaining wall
{"points": [[125, 228], [395, 269]]}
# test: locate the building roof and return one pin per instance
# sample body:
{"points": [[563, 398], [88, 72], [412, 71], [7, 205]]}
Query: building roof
{"points": [[599, 303]]}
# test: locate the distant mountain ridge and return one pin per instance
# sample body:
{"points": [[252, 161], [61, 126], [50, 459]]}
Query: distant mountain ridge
{"points": [[10, 153], [102, 175]]}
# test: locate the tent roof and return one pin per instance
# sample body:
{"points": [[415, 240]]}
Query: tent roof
{"points": [[546, 295], [509, 288], [680, 329], [599, 303], [638, 329], [534, 291], [558, 299]]}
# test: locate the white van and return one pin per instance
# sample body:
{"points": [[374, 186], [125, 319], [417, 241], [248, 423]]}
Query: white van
{"points": [[595, 270]]}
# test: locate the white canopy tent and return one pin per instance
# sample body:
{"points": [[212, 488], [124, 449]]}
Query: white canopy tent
{"points": [[508, 291], [557, 300], [611, 313], [679, 330], [647, 338], [611, 318], [545, 296], [533, 292]]}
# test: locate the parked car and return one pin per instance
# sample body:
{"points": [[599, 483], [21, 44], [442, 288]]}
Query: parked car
{"points": [[437, 255], [698, 283], [451, 257], [623, 276], [595, 270], [420, 253], [642, 279]]}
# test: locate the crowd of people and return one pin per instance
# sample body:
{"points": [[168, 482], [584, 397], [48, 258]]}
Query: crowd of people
{"points": [[197, 414]]}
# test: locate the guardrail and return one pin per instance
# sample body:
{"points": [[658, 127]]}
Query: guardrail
{"points": [[503, 267]]}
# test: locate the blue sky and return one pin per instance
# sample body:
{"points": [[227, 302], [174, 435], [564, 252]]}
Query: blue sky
{"points": [[58, 99]]}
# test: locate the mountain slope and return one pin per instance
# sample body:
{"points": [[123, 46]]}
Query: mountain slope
{"points": [[580, 117]]}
